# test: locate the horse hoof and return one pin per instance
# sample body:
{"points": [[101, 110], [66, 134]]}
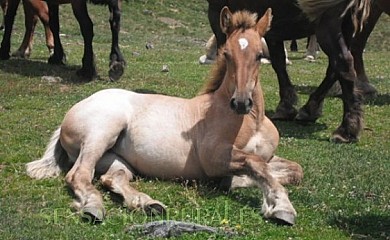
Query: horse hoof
{"points": [[86, 75], [93, 215], [304, 116], [284, 115], [367, 89], [205, 60], [5, 56], [339, 138], [116, 71], [57, 60], [283, 218], [155, 208]]}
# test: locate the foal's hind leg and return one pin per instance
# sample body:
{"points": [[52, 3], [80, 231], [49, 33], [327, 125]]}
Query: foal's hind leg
{"points": [[117, 178]]}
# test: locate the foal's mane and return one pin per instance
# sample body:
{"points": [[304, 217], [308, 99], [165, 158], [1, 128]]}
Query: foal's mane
{"points": [[241, 20]]}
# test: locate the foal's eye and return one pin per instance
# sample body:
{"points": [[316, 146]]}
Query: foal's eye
{"points": [[259, 56]]}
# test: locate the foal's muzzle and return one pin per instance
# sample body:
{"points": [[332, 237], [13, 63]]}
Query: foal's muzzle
{"points": [[241, 106]]}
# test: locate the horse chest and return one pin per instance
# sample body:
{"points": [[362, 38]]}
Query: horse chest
{"points": [[259, 145]]}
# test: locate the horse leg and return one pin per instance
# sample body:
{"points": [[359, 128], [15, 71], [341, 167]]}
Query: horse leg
{"points": [[288, 96], [284, 171], [214, 10], [58, 56], [42, 11], [117, 178], [312, 48], [312, 110], [294, 46], [334, 43], [88, 68], [3, 4], [8, 24], [357, 46], [276, 204], [30, 21], [117, 61]]}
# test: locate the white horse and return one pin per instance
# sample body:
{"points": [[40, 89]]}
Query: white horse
{"points": [[222, 132]]}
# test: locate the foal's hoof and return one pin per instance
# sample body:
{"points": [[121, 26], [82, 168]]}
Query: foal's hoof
{"points": [[283, 218], [93, 215], [155, 208], [116, 71]]}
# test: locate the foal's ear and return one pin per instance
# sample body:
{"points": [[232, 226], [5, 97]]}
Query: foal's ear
{"points": [[264, 24], [226, 20]]}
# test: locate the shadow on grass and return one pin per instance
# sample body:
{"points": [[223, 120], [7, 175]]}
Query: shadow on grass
{"points": [[40, 68], [364, 227], [300, 130]]}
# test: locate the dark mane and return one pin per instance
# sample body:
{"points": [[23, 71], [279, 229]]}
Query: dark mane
{"points": [[241, 20]]}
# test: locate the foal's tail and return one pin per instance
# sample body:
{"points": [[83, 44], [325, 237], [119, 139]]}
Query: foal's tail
{"points": [[50, 164]]}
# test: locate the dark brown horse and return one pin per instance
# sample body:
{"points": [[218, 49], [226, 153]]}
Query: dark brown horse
{"points": [[333, 24], [359, 43], [33, 10], [49, 16], [88, 68]]}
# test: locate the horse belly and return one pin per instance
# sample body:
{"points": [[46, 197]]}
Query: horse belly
{"points": [[157, 148]]}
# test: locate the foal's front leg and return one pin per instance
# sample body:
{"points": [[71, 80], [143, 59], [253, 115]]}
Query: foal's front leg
{"points": [[276, 204]]}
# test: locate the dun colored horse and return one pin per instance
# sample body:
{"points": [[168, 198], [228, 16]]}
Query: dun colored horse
{"points": [[221, 132], [333, 22]]}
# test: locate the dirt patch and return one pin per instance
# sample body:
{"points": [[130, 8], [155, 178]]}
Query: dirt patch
{"points": [[172, 23]]}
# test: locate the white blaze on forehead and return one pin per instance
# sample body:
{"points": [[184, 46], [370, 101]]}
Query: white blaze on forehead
{"points": [[243, 43]]}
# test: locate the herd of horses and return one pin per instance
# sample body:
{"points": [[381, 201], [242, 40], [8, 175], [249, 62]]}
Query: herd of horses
{"points": [[169, 137]]}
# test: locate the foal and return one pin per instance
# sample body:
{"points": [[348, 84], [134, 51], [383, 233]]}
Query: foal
{"points": [[222, 132]]}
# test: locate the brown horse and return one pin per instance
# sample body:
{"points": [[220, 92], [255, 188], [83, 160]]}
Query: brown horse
{"points": [[49, 17], [221, 132], [333, 23], [88, 69], [33, 9]]}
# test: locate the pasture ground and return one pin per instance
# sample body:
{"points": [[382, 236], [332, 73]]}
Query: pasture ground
{"points": [[345, 193]]}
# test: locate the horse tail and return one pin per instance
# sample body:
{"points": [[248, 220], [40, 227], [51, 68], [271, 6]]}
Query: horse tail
{"points": [[49, 165], [360, 10]]}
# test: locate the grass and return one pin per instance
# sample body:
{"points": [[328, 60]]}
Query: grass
{"points": [[345, 193]]}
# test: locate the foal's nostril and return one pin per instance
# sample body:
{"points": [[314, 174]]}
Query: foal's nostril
{"points": [[233, 104], [241, 107], [249, 103]]}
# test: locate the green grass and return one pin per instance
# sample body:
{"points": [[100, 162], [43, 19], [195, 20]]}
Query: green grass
{"points": [[345, 193]]}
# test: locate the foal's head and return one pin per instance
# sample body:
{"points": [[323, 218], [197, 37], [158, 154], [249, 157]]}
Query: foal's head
{"points": [[242, 53]]}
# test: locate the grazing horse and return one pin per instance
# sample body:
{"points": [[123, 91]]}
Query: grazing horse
{"points": [[333, 23], [88, 68], [33, 9], [221, 132]]}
